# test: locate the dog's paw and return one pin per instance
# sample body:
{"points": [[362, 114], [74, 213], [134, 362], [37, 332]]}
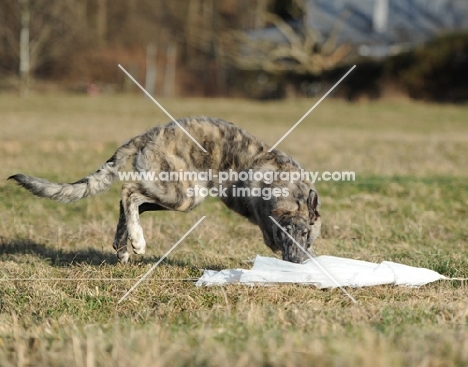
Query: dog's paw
{"points": [[123, 258], [137, 240]]}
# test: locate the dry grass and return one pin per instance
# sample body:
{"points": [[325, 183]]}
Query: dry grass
{"points": [[409, 204]]}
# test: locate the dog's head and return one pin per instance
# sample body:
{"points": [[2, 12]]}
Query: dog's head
{"points": [[302, 227]]}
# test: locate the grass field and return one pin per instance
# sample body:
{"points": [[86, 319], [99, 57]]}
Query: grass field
{"points": [[59, 281]]}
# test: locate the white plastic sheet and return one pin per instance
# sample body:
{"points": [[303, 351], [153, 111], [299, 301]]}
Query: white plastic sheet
{"points": [[346, 272]]}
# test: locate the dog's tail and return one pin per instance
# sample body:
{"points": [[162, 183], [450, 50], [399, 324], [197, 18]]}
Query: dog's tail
{"points": [[99, 181]]}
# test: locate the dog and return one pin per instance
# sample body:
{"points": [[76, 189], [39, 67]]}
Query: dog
{"points": [[168, 148]]}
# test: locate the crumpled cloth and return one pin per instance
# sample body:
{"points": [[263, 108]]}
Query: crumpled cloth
{"points": [[346, 273]]}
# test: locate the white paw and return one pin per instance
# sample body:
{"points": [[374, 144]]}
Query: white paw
{"points": [[123, 258], [137, 240]]}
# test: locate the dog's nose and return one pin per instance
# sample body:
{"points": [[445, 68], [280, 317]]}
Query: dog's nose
{"points": [[297, 259]]}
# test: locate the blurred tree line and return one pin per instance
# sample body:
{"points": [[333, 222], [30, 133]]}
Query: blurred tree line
{"points": [[84, 40], [205, 48], [80, 42]]}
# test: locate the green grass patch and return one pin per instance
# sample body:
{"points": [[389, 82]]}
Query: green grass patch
{"points": [[59, 281]]}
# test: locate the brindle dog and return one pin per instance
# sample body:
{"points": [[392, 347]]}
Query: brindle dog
{"points": [[167, 148]]}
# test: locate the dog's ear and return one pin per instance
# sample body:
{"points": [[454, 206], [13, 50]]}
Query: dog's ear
{"points": [[312, 205]]}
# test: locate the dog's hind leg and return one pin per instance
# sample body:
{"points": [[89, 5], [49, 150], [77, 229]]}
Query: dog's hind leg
{"points": [[133, 203], [121, 234], [132, 198], [133, 195]]}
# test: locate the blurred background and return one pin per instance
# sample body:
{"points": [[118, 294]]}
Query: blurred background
{"points": [[260, 49]]}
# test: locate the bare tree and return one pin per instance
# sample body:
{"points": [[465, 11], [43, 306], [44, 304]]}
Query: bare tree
{"points": [[101, 22], [301, 52], [24, 64], [39, 31]]}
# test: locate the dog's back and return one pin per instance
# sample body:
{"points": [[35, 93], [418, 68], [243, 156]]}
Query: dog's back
{"points": [[228, 148]]}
